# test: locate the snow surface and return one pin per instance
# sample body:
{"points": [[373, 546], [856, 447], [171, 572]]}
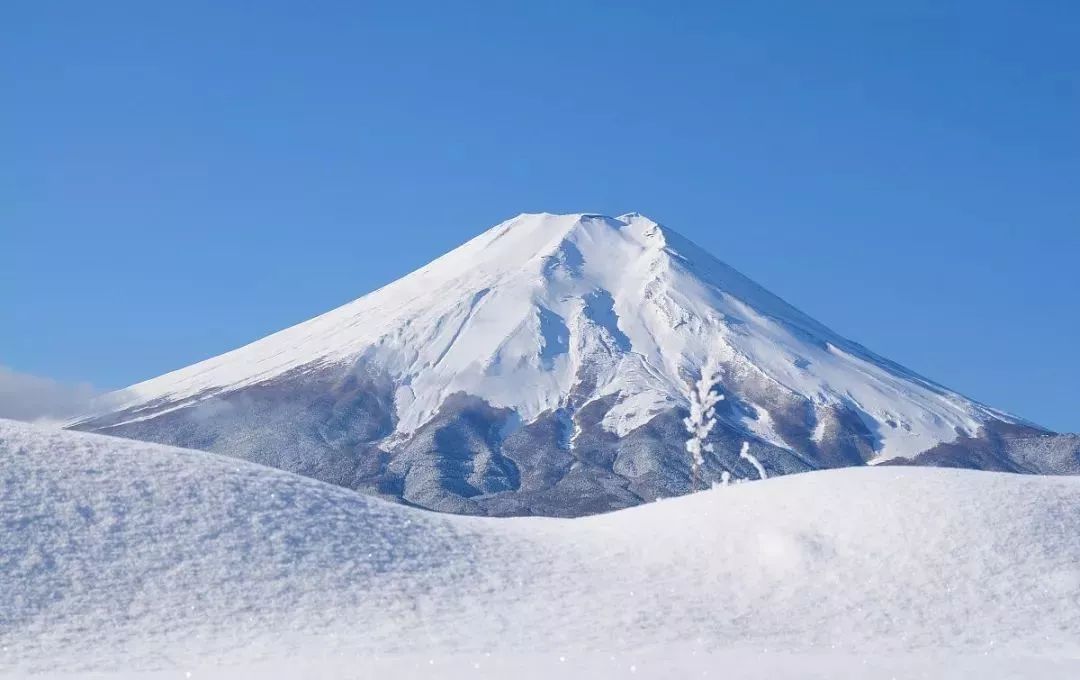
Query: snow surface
{"points": [[543, 305], [124, 559]]}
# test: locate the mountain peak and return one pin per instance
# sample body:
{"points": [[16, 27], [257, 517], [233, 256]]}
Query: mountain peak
{"points": [[517, 314], [560, 325], [566, 223]]}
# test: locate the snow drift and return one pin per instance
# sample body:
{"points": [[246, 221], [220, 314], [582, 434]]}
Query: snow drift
{"points": [[123, 557]]}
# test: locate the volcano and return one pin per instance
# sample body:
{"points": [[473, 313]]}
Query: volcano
{"points": [[543, 368]]}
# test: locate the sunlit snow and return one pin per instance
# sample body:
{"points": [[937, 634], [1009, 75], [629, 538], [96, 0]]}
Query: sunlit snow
{"points": [[123, 559]]}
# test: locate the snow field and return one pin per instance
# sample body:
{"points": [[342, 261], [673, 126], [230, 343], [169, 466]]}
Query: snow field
{"points": [[124, 559]]}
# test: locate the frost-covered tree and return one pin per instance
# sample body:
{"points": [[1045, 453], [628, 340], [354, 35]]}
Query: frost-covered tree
{"points": [[703, 396], [703, 399]]}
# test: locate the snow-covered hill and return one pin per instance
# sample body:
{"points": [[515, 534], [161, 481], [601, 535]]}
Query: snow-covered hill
{"points": [[121, 558], [542, 368]]}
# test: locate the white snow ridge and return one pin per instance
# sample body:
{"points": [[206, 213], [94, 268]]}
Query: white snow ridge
{"points": [[121, 559]]}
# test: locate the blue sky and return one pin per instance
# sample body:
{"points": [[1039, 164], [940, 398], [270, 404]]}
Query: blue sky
{"points": [[182, 178]]}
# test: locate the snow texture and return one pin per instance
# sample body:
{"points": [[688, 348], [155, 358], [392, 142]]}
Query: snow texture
{"points": [[125, 559]]}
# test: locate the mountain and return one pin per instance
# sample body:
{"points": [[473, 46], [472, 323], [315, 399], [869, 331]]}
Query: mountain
{"points": [[124, 559], [542, 368]]}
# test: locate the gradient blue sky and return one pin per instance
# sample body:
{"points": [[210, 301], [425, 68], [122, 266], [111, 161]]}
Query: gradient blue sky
{"points": [[181, 178]]}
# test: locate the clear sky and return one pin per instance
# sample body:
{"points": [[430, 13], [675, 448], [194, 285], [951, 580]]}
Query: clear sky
{"points": [[181, 178]]}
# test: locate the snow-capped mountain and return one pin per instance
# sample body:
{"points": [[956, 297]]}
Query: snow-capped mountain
{"points": [[542, 367]]}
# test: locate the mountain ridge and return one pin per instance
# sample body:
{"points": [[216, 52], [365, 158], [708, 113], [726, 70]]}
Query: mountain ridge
{"points": [[557, 332]]}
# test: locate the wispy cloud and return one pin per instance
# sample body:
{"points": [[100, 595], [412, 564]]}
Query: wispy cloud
{"points": [[34, 398]]}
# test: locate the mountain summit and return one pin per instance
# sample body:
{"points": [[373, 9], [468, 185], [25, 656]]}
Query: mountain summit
{"points": [[542, 367]]}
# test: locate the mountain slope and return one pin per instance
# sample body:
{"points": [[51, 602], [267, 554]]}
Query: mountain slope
{"points": [[121, 557], [541, 368]]}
